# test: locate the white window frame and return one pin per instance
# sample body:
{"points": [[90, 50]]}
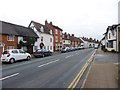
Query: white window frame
{"points": [[51, 39], [41, 38], [50, 47], [10, 46], [8, 37], [56, 31]]}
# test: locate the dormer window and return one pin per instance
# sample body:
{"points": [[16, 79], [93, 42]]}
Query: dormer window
{"points": [[63, 36], [112, 32], [68, 37], [109, 36], [51, 32], [32, 27], [42, 29]]}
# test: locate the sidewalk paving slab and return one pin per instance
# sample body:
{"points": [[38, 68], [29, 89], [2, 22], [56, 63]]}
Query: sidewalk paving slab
{"points": [[104, 71]]}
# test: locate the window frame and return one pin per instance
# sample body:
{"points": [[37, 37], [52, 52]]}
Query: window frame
{"points": [[9, 38], [10, 46]]}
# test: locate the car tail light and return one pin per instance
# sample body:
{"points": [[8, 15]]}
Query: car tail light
{"points": [[8, 55]]}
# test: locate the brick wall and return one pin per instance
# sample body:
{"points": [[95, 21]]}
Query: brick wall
{"points": [[9, 43]]}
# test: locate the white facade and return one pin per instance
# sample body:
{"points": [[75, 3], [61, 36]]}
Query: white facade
{"points": [[48, 44], [111, 40], [85, 43], [46, 39]]}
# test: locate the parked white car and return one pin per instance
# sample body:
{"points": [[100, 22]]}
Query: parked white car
{"points": [[13, 55]]}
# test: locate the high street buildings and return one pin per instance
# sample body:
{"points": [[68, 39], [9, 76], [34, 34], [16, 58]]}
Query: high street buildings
{"points": [[38, 36]]}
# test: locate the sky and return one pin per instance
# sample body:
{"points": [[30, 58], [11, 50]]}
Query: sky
{"points": [[88, 18]]}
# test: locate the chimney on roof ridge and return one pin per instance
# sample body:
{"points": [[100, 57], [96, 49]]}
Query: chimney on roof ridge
{"points": [[46, 22], [50, 23], [73, 35], [68, 34]]}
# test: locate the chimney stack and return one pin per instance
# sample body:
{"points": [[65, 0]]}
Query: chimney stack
{"points": [[73, 35], [50, 23], [46, 22]]}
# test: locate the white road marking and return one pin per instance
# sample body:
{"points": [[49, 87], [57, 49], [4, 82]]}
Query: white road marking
{"points": [[77, 53], [9, 76], [48, 63], [69, 56]]}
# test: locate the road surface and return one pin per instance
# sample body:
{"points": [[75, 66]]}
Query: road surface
{"points": [[57, 71]]}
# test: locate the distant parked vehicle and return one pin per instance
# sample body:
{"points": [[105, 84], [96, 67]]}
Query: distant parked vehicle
{"points": [[81, 47], [72, 49], [66, 49], [13, 55], [96, 47], [42, 53]]}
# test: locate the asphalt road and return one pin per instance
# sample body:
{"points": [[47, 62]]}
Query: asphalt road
{"points": [[57, 71]]}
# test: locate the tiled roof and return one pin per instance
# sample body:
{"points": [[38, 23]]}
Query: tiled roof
{"points": [[57, 27], [72, 38], [90, 40], [9, 28], [38, 26], [66, 36]]}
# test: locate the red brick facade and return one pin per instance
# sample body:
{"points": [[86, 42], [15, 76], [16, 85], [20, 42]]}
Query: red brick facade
{"points": [[57, 35], [8, 43]]}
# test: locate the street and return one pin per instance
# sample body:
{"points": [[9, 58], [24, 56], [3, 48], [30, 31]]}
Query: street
{"points": [[57, 71]]}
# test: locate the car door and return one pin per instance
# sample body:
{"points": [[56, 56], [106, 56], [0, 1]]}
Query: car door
{"points": [[15, 55], [22, 54]]}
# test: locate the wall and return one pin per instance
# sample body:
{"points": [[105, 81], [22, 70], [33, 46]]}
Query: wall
{"points": [[114, 47], [66, 43], [46, 41], [59, 43], [9, 43]]}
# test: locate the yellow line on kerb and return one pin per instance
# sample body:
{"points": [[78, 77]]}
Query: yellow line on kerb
{"points": [[79, 75]]}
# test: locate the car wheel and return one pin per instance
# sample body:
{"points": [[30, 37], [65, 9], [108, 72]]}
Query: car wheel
{"points": [[28, 58], [12, 60], [3, 62], [43, 55], [50, 54]]}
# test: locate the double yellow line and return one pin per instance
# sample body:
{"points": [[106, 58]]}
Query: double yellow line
{"points": [[79, 75]]}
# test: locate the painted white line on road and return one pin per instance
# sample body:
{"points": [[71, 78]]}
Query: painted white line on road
{"points": [[9, 76], [69, 56], [76, 53], [48, 63]]}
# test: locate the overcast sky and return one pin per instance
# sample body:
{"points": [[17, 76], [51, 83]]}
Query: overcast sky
{"points": [[88, 18]]}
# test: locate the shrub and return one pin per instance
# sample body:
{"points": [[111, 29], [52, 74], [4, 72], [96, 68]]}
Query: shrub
{"points": [[104, 49]]}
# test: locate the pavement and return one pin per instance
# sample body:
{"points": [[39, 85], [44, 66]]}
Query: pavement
{"points": [[103, 72]]}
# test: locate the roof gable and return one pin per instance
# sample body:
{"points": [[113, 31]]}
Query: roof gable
{"points": [[9, 28], [38, 27]]}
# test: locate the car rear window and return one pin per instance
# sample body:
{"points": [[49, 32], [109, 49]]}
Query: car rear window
{"points": [[5, 52]]}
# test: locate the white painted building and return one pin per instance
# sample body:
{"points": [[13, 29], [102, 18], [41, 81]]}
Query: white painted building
{"points": [[111, 38], [89, 43], [85, 43], [45, 39]]}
